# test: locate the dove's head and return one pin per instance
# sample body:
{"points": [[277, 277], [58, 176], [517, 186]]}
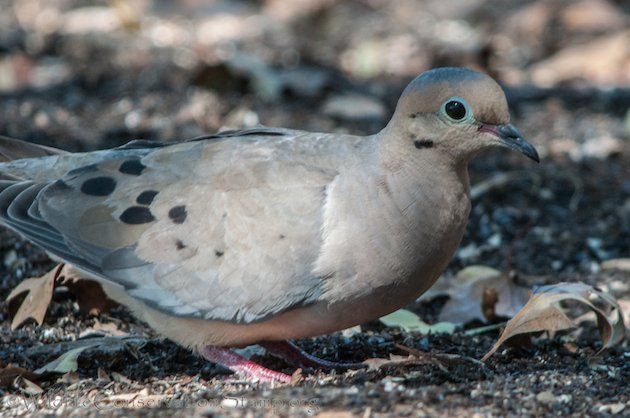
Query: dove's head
{"points": [[456, 111]]}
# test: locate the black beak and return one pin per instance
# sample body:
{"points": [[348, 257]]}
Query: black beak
{"points": [[512, 138]]}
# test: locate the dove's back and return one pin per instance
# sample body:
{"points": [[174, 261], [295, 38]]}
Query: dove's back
{"points": [[225, 227]]}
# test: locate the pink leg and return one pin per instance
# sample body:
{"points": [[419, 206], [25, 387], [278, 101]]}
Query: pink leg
{"points": [[240, 365], [295, 356]]}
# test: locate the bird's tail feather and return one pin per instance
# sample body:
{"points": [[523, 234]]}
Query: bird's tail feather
{"points": [[15, 149]]}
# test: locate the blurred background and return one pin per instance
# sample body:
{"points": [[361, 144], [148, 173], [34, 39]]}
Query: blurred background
{"points": [[83, 75]]}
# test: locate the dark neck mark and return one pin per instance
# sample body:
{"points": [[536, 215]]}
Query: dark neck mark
{"points": [[423, 143]]}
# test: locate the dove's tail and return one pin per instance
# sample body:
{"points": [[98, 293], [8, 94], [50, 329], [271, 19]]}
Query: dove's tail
{"points": [[21, 160], [15, 149]]}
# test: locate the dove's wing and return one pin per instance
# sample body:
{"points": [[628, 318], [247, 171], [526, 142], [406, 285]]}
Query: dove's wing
{"points": [[223, 229]]}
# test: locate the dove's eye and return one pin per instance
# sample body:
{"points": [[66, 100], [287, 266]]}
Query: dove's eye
{"points": [[456, 109]]}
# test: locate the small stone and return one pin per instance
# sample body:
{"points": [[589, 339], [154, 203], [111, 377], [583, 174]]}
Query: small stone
{"points": [[611, 408], [495, 240], [475, 393], [468, 252], [546, 397], [10, 258]]}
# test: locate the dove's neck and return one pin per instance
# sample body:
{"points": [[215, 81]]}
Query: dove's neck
{"points": [[430, 190], [423, 170]]}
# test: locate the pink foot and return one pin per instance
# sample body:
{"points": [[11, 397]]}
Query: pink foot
{"points": [[295, 356], [242, 366]]}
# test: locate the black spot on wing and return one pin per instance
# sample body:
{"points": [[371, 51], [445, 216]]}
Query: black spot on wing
{"points": [[132, 167], [178, 214], [179, 245], [99, 186], [137, 215], [146, 197], [423, 143], [219, 253]]}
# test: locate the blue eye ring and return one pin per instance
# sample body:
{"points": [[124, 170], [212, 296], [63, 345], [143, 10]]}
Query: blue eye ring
{"points": [[457, 110]]}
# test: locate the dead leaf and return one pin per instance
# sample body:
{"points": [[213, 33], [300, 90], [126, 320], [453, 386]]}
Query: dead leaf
{"points": [[466, 291], [102, 375], [393, 361], [106, 329], [28, 387], [67, 362], [416, 357], [489, 301], [70, 377], [571, 347], [10, 372], [35, 304], [411, 322], [89, 294], [541, 313]]}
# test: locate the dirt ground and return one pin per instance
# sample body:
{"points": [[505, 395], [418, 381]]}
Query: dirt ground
{"points": [[84, 75]]}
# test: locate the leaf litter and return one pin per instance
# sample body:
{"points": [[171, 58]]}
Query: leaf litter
{"points": [[39, 292], [543, 313]]}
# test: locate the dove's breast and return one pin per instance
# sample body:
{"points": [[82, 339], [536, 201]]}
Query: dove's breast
{"points": [[388, 234]]}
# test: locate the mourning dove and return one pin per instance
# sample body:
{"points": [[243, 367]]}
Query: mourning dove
{"points": [[265, 234]]}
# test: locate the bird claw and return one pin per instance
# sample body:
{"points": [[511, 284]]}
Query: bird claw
{"points": [[244, 367]]}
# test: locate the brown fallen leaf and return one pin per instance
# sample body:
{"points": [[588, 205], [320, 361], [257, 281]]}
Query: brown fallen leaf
{"points": [[466, 292], [106, 329], [70, 377], [89, 294], [9, 372], [393, 361], [416, 357], [489, 301], [102, 375], [542, 313], [35, 304], [27, 387]]}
